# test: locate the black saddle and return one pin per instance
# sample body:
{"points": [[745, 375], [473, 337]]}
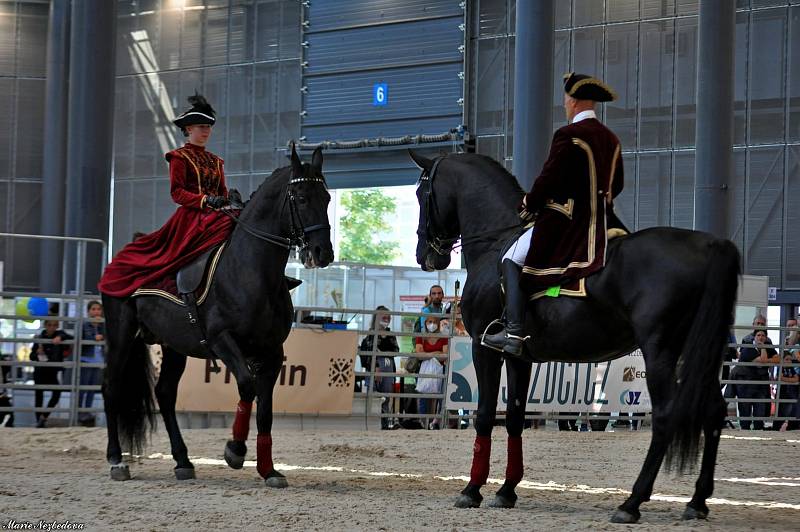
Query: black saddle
{"points": [[190, 276]]}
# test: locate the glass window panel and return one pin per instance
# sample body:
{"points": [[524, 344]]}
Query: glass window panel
{"points": [[125, 25], [560, 67], [265, 117], [8, 38], [145, 141], [791, 270], [587, 51], [655, 84], [215, 39], [491, 147], [169, 137], [742, 4], [764, 230], [511, 43], [191, 39], [688, 7], [169, 44], [164, 206], [491, 86], [237, 156], [766, 75], [657, 8], [215, 81], [123, 230], [654, 189], [492, 18], [32, 48], [27, 206], [143, 198], [268, 31], [622, 56], [625, 203], [588, 12], [242, 33], [621, 10], [5, 210], [30, 127], [736, 199], [290, 29], [7, 91], [767, 3], [685, 81], [740, 79], [794, 74], [124, 116], [289, 102], [563, 14], [683, 190]]}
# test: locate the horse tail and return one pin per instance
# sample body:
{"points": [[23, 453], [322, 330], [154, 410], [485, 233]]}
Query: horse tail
{"points": [[128, 387], [701, 359]]}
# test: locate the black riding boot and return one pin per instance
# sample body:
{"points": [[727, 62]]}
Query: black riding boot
{"points": [[510, 340]]}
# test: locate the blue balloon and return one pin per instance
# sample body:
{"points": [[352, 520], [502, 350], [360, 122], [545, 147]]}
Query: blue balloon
{"points": [[38, 306]]}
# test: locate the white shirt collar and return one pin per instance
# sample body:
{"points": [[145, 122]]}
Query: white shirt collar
{"points": [[583, 115]]}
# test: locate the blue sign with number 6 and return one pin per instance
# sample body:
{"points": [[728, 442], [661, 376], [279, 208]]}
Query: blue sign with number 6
{"points": [[380, 94]]}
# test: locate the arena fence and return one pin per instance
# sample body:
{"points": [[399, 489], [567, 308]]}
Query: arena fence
{"points": [[777, 396]]}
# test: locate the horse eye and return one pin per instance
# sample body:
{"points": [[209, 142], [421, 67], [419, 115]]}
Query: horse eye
{"points": [[301, 199]]}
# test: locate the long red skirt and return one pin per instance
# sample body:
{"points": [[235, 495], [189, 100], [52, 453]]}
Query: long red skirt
{"points": [[150, 258]]}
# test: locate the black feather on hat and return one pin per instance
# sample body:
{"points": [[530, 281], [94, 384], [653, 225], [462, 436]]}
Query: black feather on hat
{"points": [[583, 87], [201, 112]]}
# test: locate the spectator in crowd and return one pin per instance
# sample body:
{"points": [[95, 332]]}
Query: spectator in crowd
{"points": [[458, 326], [387, 343], [433, 365], [761, 353], [6, 418], [93, 330], [793, 338], [789, 378], [56, 351], [433, 305]]}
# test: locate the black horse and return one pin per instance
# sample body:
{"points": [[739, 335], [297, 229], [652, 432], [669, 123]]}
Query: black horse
{"points": [[669, 291], [247, 315]]}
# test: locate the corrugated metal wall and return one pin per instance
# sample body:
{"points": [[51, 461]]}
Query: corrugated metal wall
{"points": [[413, 47]]}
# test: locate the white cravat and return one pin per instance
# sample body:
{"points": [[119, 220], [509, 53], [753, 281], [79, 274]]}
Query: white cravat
{"points": [[583, 115]]}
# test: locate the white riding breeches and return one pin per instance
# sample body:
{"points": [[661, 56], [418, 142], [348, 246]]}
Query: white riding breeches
{"points": [[519, 249]]}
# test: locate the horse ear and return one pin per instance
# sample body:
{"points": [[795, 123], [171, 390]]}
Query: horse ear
{"points": [[297, 166], [316, 159], [422, 162]]}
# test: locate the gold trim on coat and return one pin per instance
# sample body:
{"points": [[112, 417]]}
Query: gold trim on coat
{"points": [[564, 208], [592, 218], [609, 198]]}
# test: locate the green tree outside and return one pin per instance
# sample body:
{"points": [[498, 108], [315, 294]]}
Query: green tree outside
{"points": [[360, 227]]}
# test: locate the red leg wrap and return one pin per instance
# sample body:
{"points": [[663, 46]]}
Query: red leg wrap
{"points": [[480, 460], [241, 424], [264, 454], [514, 467]]}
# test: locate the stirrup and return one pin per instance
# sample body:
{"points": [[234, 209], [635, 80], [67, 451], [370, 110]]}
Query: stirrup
{"points": [[498, 321]]}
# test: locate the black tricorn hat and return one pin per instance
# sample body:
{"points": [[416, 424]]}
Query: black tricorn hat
{"points": [[201, 112], [583, 87]]}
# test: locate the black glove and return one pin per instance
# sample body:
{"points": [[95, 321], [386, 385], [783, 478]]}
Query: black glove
{"points": [[216, 202]]}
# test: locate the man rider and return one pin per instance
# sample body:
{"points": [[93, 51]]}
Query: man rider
{"points": [[569, 202]]}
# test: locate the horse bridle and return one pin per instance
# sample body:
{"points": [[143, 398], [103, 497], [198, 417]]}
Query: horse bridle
{"points": [[297, 230], [442, 245]]}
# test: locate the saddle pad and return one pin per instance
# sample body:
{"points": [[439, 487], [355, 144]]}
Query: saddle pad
{"points": [[169, 290]]}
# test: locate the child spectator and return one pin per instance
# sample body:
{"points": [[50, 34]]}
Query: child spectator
{"points": [[42, 375]]}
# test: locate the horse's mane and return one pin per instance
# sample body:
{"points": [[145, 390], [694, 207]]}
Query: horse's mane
{"points": [[489, 165], [268, 180]]}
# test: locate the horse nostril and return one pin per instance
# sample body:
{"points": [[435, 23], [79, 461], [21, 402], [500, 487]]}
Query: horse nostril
{"points": [[317, 251]]}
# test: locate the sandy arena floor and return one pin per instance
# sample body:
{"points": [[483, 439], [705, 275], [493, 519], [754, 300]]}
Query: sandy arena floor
{"points": [[390, 480]]}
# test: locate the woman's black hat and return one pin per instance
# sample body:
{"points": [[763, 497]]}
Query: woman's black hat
{"points": [[201, 112]]}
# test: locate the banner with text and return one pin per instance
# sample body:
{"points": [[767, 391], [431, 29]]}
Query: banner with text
{"points": [[617, 386], [316, 377]]}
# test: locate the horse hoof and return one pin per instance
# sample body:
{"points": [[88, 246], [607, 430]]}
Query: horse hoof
{"points": [[184, 473], [120, 472], [465, 501], [233, 460], [692, 513], [276, 481], [621, 516], [502, 502]]}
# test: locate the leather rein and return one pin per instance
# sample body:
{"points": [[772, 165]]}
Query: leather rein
{"points": [[297, 230]]}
